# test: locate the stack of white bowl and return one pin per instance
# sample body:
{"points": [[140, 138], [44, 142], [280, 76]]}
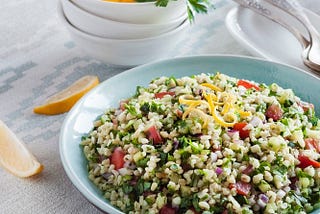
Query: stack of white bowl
{"points": [[123, 33]]}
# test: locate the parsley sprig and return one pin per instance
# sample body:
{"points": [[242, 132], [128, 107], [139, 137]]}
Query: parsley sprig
{"points": [[197, 6], [193, 6]]}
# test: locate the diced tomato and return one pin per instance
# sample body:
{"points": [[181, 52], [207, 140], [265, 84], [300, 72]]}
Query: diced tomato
{"points": [[160, 95], [306, 161], [154, 135], [306, 106], [241, 187], [247, 85], [167, 210], [243, 133], [274, 111], [117, 158], [312, 144], [123, 104]]}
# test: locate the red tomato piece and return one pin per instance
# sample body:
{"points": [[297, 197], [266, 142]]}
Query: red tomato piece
{"points": [[241, 187], [247, 85], [274, 111], [160, 95], [154, 135], [306, 106], [312, 144], [117, 158], [240, 127], [167, 210], [306, 161]]}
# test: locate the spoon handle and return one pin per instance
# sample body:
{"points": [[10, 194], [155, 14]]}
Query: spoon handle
{"points": [[267, 11], [294, 8]]}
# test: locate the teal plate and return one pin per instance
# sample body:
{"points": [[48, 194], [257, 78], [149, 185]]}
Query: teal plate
{"points": [[108, 94]]}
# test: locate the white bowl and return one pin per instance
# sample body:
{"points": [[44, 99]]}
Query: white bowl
{"points": [[130, 52], [138, 13], [98, 26]]}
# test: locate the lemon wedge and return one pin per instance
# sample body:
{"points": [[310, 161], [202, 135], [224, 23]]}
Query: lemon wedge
{"points": [[14, 155], [64, 100]]}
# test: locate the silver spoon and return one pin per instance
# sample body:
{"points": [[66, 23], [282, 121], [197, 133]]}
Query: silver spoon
{"points": [[311, 54], [266, 11]]}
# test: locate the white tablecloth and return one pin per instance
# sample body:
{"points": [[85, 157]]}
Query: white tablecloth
{"points": [[37, 59]]}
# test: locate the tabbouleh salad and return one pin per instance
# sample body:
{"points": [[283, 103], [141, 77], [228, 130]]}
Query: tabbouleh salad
{"points": [[208, 143]]}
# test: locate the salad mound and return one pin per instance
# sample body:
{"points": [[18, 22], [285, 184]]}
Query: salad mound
{"points": [[208, 143]]}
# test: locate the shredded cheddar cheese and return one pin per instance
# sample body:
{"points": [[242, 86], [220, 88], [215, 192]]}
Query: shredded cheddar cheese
{"points": [[244, 113], [186, 101], [188, 111], [211, 86], [220, 121], [226, 108], [214, 98]]}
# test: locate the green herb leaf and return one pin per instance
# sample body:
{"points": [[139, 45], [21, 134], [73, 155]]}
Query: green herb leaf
{"points": [[195, 203], [104, 118], [193, 6], [163, 158], [127, 188], [162, 3], [146, 186], [145, 108], [142, 162], [155, 107], [131, 109], [138, 89], [84, 137], [171, 79], [314, 120], [302, 174], [241, 199]]}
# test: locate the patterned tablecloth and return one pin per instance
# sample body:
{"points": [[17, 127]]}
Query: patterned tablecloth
{"points": [[37, 59]]}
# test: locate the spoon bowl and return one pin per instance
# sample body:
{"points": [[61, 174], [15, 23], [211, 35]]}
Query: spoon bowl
{"points": [[311, 53], [311, 56]]}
